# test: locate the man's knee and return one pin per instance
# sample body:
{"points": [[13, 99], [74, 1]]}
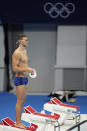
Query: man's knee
{"points": [[20, 102]]}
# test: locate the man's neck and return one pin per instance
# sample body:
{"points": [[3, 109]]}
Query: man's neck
{"points": [[22, 48]]}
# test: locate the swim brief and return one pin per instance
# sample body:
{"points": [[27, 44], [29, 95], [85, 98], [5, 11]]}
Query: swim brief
{"points": [[20, 81]]}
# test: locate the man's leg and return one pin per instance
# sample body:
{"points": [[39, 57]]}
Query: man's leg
{"points": [[21, 96]]}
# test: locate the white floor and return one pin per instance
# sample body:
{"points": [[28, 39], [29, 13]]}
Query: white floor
{"points": [[81, 93], [70, 123]]}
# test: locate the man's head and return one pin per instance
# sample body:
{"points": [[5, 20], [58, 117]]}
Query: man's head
{"points": [[23, 40]]}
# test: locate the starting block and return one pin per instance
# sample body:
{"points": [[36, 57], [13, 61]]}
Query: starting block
{"points": [[42, 120], [66, 112], [8, 125]]}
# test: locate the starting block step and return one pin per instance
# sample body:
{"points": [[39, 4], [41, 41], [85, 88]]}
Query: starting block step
{"points": [[8, 125]]}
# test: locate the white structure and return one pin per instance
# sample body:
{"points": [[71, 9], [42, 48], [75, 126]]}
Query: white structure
{"points": [[44, 121], [65, 111]]}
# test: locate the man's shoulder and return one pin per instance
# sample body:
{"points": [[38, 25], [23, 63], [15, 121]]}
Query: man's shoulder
{"points": [[16, 52]]}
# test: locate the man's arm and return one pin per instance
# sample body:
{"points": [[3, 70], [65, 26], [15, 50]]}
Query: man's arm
{"points": [[15, 62]]}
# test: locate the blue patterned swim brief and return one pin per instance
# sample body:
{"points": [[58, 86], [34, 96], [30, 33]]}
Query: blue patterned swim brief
{"points": [[20, 81]]}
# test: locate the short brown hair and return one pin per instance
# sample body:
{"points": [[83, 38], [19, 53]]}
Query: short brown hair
{"points": [[21, 36]]}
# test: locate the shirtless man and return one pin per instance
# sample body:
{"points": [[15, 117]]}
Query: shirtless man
{"points": [[22, 70]]}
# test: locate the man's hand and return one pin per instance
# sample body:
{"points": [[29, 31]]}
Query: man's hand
{"points": [[31, 70], [33, 74]]}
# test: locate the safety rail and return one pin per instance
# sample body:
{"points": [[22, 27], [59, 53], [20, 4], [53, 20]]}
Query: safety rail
{"points": [[77, 126]]}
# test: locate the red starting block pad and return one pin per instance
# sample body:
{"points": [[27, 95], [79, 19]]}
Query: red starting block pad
{"points": [[8, 125], [56, 101], [42, 120], [30, 110], [64, 110]]}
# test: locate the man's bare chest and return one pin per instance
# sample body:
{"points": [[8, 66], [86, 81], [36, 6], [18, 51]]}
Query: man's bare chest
{"points": [[24, 58]]}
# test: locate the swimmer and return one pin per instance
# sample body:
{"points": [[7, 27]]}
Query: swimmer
{"points": [[22, 70]]}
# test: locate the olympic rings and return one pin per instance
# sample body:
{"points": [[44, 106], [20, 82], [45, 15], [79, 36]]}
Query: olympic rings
{"points": [[59, 9]]}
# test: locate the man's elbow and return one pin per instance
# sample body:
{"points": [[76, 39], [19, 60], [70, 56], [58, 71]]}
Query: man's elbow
{"points": [[14, 69]]}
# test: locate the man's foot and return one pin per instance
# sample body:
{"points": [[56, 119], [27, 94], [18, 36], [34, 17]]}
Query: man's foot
{"points": [[20, 125]]}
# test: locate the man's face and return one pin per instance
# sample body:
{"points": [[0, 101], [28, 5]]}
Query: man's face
{"points": [[24, 41]]}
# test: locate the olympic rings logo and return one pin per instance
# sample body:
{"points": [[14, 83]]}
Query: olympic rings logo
{"points": [[59, 9]]}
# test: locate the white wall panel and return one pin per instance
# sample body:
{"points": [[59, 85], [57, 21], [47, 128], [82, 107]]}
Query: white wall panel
{"points": [[2, 54], [71, 58], [71, 46]]}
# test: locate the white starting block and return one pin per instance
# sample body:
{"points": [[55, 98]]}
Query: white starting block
{"points": [[66, 112], [42, 120], [8, 125]]}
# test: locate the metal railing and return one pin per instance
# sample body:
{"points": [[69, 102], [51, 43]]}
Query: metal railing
{"points": [[77, 126]]}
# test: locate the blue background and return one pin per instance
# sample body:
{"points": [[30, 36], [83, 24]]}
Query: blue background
{"points": [[31, 11]]}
